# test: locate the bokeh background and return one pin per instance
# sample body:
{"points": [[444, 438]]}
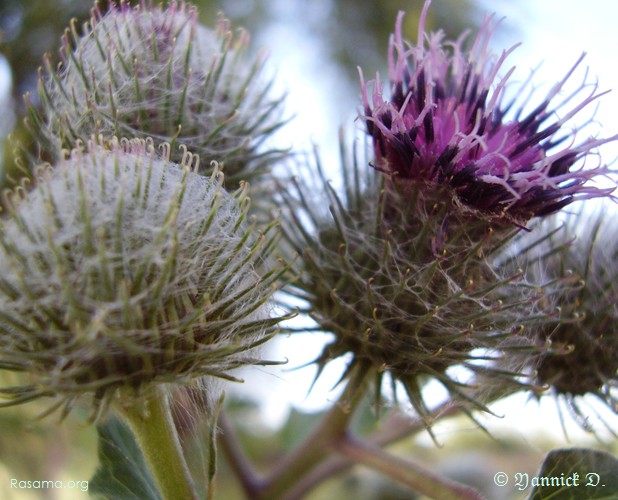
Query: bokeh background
{"points": [[315, 48]]}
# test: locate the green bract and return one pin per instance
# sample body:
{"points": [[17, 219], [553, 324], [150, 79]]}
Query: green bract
{"points": [[585, 361], [407, 285]]}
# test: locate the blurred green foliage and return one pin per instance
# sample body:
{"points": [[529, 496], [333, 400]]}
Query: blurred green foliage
{"points": [[32, 449]]}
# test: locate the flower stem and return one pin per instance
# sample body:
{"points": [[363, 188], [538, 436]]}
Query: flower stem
{"points": [[319, 443], [397, 427], [237, 459], [404, 471], [153, 428]]}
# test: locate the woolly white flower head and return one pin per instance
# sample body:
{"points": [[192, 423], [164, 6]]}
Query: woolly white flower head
{"points": [[145, 71], [121, 268]]}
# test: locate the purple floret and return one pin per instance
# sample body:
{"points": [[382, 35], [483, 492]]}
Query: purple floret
{"points": [[445, 124]]}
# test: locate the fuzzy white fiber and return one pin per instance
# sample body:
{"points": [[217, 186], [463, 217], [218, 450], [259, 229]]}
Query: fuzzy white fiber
{"points": [[122, 267], [154, 72]]}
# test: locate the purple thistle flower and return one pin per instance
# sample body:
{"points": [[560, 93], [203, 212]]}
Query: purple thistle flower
{"points": [[446, 125]]}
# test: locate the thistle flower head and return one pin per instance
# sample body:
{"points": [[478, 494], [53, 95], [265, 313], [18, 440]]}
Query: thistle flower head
{"points": [[123, 269], [395, 308], [446, 125], [156, 72], [585, 358]]}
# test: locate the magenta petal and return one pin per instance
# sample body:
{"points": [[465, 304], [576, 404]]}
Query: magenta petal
{"points": [[445, 124]]}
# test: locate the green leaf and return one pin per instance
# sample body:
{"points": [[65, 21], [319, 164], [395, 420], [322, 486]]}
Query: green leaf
{"points": [[576, 473], [122, 473]]}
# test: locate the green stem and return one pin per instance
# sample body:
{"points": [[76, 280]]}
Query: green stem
{"points": [[319, 443], [155, 432], [404, 471], [236, 458], [396, 427]]}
